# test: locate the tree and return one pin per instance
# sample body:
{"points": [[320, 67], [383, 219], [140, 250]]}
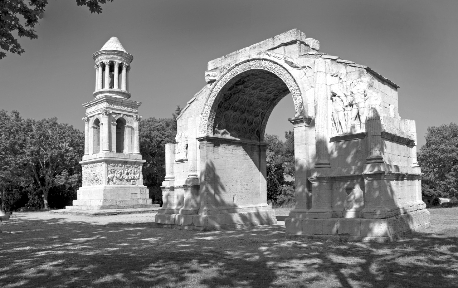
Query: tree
{"points": [[13, 137], [154, 134], [52, 153], [279, 162], [20, 17], [438, 159]]}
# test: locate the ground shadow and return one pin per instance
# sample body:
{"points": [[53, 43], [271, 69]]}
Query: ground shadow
{"points": [[59, 252]]}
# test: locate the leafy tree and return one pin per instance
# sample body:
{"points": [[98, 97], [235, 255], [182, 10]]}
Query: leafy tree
{"points": [[438, 159], [154, 134], [52, 153], [20, 17], [280, 162], [13, 137]]}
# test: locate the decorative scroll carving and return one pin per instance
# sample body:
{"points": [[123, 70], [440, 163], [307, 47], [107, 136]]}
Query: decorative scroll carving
{"points": [[181, 148], [209, 111], [123, 174], [92, 174], [85, 119]]}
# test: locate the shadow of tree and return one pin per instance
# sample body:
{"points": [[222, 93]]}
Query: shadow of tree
{"points": [[60, 252]]}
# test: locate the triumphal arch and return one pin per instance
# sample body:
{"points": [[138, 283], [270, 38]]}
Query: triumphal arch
{"points": [[356, 171]]}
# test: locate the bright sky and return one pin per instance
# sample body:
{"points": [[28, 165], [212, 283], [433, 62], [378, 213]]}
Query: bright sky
{"points": [[414, 43]]}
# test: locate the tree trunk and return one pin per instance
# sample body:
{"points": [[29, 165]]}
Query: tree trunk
{"points": [[45, 199], [2, 208]]}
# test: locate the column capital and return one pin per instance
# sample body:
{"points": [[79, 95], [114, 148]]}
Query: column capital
{"points": [[138, 117], [106, 62], [85, 119], [301, 120], [106, 112]]}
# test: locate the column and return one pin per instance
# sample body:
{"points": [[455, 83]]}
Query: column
{"points": [[116, 75], [105, 131], [136, 138], [96, 77], [321, 182], [107, 74], [86, 135], [192, 149], [99, 77], [302, 163], [127, 138], [263, 173], [322, 115], [113, 134], [124, 77], [169, 162]]}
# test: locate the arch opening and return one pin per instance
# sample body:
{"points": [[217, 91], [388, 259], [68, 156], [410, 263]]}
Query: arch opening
{"points": [[120, 132], [245, 103], [96, 136]]}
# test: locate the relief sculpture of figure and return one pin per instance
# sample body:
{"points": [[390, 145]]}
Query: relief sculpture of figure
{"points": [[360, 92], [338, 117]]}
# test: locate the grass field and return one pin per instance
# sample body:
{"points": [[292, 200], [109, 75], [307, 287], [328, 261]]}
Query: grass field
{"points": [[47, 250]]}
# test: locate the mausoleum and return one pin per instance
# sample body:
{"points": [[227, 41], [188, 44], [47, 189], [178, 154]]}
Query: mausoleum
{"points": [[112, 164], [356, 171]]}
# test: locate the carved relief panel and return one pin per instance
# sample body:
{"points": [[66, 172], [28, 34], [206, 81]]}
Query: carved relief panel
{"points": [[123, 174], [92, 174], [349, 94]]}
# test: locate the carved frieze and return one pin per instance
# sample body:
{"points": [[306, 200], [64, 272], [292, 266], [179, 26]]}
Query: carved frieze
{"points": [[123, 174], [92, 174], [102, 106]]}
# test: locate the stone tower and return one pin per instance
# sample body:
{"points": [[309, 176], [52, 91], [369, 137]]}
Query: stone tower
{"points": [[112, 164]]}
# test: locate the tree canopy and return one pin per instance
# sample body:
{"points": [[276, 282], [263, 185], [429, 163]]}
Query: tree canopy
{"points": [[19, 17], [438, 159]]}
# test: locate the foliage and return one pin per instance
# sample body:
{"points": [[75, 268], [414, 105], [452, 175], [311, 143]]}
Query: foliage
{"points": [[438, 159], [20, 17], [154, 134], [37, 157], [280, 164]]}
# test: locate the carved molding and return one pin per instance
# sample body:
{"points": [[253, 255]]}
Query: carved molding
{"points": [[124, 174], [101, 106], [92, 174], [209, 111]]}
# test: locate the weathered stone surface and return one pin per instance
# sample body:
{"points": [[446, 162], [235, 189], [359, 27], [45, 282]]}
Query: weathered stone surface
{"points": [[356, 175], [112, 164]]}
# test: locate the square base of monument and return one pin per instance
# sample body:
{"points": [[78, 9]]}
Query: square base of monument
{"points": [[218, 219], [111, 197], [358, 229]]}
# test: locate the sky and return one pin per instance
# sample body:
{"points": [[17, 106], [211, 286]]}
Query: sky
{"points": [[414, 43]]}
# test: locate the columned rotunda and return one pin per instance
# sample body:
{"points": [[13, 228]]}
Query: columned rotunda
{"points": [[112, 164]]}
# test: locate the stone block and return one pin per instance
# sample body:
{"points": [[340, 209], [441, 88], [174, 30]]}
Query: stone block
{"points": [[375, 228], [168, 219], [293, 226], [330, 226], [312, 226], [350, 227]]}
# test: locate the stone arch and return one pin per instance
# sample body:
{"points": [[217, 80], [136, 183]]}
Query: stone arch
{"points": [[120, 132], [96, 135], [265, 69]]}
